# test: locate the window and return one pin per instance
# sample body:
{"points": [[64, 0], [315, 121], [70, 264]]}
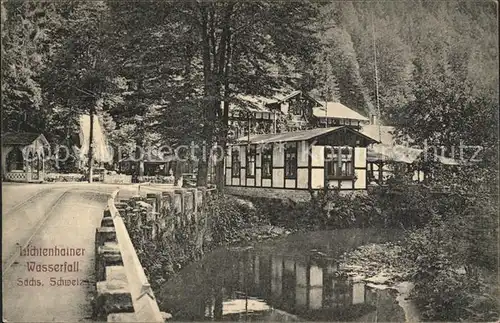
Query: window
{"points": [[235, 163], [250, 162], [267, 162], [291, 160], [339, 162]]}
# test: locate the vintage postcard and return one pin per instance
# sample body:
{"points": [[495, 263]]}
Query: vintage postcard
{"points": [[256, 160]]}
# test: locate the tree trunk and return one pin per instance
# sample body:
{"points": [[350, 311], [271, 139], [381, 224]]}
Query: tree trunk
{"points": [[218, 306], [219, 175], [209, 90], [219, 171], [139, 157], [224, 70], [201, 179], [215, 68], [91, 139]]}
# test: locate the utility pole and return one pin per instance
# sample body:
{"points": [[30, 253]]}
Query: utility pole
{"points": [[91, 139]]}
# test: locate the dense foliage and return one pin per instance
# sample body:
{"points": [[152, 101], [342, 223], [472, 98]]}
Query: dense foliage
{"points": [[416, 44], [160, 73], [152, 69], [455, 260], [398, 205]]}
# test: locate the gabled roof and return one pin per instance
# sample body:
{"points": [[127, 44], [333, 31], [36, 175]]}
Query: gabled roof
{"points": [[338, 110], [22, 138], [295, 136], [253, 103], [385, 134], [388, 150], [282, 98], [257, 103], [402, 154]]}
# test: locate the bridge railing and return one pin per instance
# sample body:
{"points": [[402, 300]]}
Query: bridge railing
{"points": [[123, 291]]}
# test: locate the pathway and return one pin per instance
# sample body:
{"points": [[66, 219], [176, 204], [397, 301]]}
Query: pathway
{"points": [[62, 216], [50, 217]]}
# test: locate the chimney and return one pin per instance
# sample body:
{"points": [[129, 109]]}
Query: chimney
{"points": [[373, 119]]}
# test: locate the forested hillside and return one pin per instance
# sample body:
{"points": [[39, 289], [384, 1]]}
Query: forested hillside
{"points": [[416, 43]]}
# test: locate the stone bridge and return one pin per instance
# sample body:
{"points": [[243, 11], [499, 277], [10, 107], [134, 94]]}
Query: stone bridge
{"points": [[123, 291]]}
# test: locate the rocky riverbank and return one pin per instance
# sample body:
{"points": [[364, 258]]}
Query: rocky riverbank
{"points": [[260, 232], [382, 266]]}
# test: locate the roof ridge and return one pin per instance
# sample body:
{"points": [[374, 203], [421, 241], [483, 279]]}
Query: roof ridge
{"points": [[25, 132], [21, 138]]}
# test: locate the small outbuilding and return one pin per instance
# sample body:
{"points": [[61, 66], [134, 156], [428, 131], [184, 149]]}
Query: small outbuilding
{"points": [[387, 157], [23, 155]]}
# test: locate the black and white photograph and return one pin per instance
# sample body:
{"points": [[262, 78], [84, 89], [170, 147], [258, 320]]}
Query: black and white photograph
{"points": [[252, 160]]}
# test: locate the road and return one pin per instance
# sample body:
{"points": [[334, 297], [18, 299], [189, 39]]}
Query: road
{"points": [[50, 216]]}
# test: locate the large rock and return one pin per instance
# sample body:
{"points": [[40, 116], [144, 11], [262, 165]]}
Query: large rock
{"points": [[145, 205], [245, 204]]}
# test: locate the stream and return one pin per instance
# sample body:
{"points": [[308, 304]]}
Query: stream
{"points": [[294, 278]]}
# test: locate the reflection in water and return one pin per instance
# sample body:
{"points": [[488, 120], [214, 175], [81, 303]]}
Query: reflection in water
{"points": [[267, 285]]}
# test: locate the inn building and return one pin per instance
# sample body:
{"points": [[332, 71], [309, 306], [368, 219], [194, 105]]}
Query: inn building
{"points": [[296, 142], [333, 157]]}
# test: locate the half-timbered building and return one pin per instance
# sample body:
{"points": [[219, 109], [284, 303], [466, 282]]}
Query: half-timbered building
{"points": [[387, 157], [301, 160], [293, 111]]}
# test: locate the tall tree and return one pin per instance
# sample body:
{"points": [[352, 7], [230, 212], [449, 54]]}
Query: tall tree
{"points": [[27, 46], [82, 74], [227, 48]]}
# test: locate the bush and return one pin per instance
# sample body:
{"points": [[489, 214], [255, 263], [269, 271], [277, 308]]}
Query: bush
{"points": [[445, 297], [56, 177], [227, 216], [448, 272], [163, 257], [329, 210], [332, 210]]}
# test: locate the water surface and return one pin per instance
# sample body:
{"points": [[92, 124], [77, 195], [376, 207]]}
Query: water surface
{"points": [[297, 278]]}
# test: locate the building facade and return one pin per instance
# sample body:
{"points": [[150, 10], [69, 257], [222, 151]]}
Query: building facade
{"points": [[299, 111], [319, 158], [288, 112]]}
